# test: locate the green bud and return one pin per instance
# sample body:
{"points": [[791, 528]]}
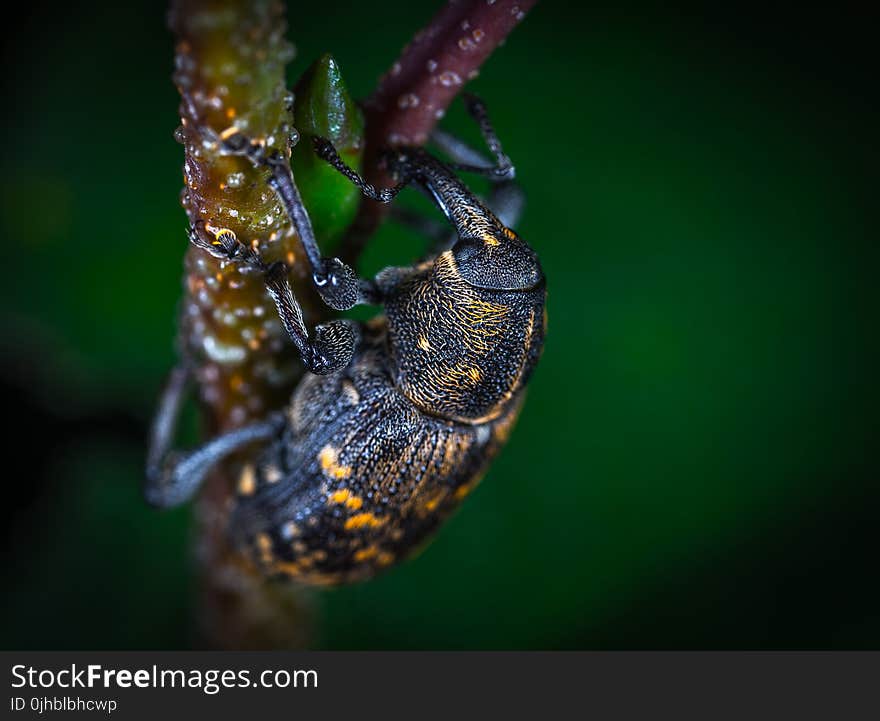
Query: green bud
{"points": [[323, 106]]}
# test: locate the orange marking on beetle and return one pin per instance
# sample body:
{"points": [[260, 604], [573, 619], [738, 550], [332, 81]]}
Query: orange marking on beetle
{"points": [[354, 502], [490, 239], [431, 505], [365, 554], [288, 568], [340, 496], [462, 491], [323, 579], [350, 392], [385, 558], [247, 481], [329, 460], [363, 520], [264, 543]]}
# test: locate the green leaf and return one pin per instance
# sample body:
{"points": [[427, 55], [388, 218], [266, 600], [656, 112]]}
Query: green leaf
{"points": [[323, 106]]}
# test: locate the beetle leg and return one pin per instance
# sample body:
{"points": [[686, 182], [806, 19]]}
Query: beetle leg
{"points": [[173, 477], [425, 226], [505, 197], [180, 475], [507, 201], [335, 282], [466, 158], [334, 342], [458, 150], [435, 178], [325, 150]]}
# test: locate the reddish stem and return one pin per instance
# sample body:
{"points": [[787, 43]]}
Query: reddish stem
{"points": [[414, 94]]}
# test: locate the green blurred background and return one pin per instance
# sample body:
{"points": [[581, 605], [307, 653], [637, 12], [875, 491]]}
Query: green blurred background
{"points": [[696, 463]]}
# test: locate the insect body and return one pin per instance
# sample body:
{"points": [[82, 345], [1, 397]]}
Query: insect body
{"points": [[400, 416]]}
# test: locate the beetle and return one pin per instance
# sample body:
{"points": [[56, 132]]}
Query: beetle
{"points": [[400, 416]]}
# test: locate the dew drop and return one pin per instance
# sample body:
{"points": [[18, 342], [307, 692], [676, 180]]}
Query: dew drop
{"points": [[449, 79], [234, 180], [409, 100], [222, 352]]}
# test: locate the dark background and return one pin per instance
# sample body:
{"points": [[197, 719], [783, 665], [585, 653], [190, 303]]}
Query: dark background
{"points": [[696, 463]]}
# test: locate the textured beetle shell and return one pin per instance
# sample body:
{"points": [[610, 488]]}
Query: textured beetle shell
{"points": [[360, 477], [376, 456], [460, 352]]}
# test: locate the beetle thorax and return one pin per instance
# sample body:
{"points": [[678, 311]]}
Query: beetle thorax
{"points": [[461, 352]]}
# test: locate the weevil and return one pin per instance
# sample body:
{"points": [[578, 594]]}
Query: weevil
{"points": [[399, 417]]}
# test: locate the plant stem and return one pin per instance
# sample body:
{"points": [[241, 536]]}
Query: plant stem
{"points": [[230, 61], [415, 92]]}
